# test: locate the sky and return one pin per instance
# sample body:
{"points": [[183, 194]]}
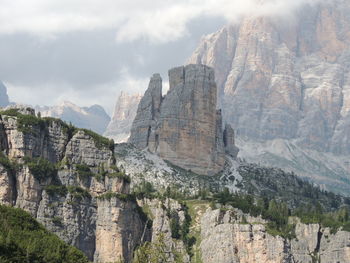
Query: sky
{"points": [[88, 51]]}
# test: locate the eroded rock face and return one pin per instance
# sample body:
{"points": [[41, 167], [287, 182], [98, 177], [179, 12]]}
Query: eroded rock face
{"points": [[67, 201], [124, 114], [184, 126], [162, 211], [227, 238], [145, 123], [285, 78], [119, 230]]}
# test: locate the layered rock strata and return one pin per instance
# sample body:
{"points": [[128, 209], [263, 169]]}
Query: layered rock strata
{"points": [[184, 127], [66, 178], [286, 78], [231, 236]]}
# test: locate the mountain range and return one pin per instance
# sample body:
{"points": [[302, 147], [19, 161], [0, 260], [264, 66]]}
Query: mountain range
{"points": [[94, 117], [283, 85]]}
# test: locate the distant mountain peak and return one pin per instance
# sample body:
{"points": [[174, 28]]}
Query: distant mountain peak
{"points": [[94, 117], [4, 99], [123, 116]]}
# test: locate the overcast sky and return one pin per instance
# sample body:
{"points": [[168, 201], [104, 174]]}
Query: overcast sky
{"points": [[87, 51]]}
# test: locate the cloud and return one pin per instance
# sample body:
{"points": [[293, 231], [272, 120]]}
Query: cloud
{"points": [[159, 21], [103, 94]]}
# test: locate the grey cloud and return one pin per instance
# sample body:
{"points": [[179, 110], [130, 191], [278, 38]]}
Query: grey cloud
{"points": [[89, 67]]}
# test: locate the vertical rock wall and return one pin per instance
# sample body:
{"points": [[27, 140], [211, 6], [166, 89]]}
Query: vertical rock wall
{"points": [[184, 127], [70, 201]]}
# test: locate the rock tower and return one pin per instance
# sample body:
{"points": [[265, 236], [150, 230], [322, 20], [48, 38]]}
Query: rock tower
{"points": [[184, 127]]}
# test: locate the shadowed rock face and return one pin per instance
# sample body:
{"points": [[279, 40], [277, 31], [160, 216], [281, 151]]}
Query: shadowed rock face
{"points": [[286, 78], [184, 127], [124, 113], [4, 99]]}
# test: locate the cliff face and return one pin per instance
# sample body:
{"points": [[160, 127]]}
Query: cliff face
{"points": [[283, 85], [285, 78], [4, 99], [227, 238], [66, 179], [184, 127], [94, 117], [124, 113]]}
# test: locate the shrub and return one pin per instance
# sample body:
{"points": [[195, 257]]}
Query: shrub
{"points": [[175, 225], [100, 141], [10, 166], [41, 168], [78, 192], [120, 175], [60, 190], [23, 239], [83, 171], [122, 197]]}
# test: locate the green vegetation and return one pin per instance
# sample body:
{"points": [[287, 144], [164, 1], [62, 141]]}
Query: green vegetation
{"points": [[41, 168], [182, 230], [60, 190], [145, 190], [9, 165], [334, 220], [274, 183], [278, 213], [123, 197], [156, 252], [120, 175], [25, 122], [78, 192], [22, 239], [100, 141], [83, 171], [117, 173], [174, 225]]}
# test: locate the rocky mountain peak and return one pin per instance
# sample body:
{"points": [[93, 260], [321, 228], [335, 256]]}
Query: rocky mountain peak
{"points": [[94, 117], [124, 113], [184, 127], [287, 79], [4, 99]]}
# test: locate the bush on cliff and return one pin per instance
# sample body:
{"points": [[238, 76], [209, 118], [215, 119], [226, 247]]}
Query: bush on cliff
{"points": [[41, 168], [23, 239]]}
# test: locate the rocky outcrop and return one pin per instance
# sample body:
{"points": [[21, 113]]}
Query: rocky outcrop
{"points": [[231, 236], [287, 79], [184, 126], [162, 212], [124, 114], [283, 79], [143, 129], [67, 179], [118, 230], [93, 118], [4, 99]]}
